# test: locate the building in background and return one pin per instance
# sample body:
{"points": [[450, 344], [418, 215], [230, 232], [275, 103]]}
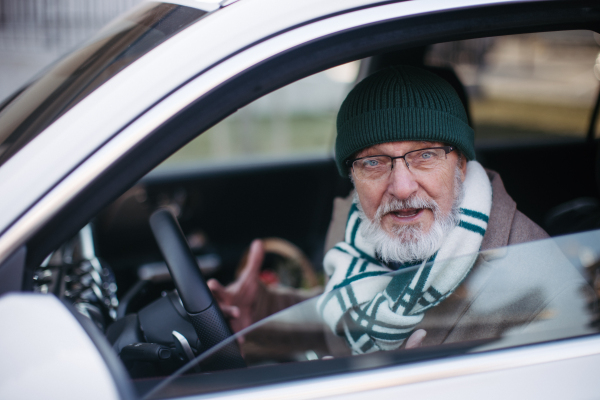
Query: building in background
{"points": [[33, 33]]}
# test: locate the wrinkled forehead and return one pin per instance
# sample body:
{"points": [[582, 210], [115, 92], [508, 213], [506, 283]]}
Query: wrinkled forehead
{"points": [[396, 148]]}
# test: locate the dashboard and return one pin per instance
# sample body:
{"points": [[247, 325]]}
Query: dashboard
{"points": [[75, 274]]}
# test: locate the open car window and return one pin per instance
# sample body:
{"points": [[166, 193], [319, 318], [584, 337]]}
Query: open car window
{"points": [[518, 295], [295, 122]]}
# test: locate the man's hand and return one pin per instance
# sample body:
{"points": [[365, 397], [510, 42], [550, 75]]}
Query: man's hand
{"points": [[416, 339], [238, 298]]}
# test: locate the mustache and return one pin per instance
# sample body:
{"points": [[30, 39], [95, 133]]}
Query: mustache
{"points": [[393, 205]]}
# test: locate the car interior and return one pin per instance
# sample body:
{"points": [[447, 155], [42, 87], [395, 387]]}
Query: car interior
{"points": [[551, 168], [293, 200]]}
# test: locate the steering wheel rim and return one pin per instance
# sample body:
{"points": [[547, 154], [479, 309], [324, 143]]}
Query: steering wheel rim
{"points": [[202, 309]]}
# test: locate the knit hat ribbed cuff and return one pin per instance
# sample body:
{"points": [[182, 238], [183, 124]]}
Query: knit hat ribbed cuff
{"points": [[392, 125]]}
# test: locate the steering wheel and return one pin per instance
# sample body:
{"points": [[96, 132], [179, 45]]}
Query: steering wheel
{"points": [[202, 309]]}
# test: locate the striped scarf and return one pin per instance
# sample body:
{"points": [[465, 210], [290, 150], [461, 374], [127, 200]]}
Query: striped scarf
{"points": [[377, 310]]}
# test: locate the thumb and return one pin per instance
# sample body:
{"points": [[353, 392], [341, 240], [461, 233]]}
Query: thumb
{"points": [[416, 339], [256, 256]]}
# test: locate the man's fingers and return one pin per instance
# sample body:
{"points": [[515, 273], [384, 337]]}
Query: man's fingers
{"points": [[230, 312], [416, 339], [256, 256], [217, 290], [220, 295], [241, 339]]}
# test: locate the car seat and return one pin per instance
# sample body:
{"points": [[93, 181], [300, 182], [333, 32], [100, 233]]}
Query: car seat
{"points": [[577, 215]]}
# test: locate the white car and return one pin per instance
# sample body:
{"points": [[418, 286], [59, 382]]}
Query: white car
{"points": [[144, 116]]}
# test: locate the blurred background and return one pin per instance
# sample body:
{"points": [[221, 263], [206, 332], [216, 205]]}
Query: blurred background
{"points": [[34, 33], [527, 86], [521, 87], [530, 87]]}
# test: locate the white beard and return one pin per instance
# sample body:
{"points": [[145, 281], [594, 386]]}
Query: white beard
{"points": [[409, 242]]}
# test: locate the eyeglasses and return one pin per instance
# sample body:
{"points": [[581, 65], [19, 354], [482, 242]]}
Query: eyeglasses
{"points": [[374, 168]]}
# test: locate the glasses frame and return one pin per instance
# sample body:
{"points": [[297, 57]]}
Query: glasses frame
{"points": [[447, 149]]}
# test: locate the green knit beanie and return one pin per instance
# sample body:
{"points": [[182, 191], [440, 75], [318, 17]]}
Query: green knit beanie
{"points": [[397, 104]]}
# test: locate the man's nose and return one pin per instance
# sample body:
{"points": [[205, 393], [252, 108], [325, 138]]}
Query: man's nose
{"points": [[402, 183]]}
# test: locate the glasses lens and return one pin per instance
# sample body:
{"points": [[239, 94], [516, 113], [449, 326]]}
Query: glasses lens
{"points": [[372, 168], [425, 159]]}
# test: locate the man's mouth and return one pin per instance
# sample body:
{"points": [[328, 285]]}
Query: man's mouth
{"points": [[407, 212]]}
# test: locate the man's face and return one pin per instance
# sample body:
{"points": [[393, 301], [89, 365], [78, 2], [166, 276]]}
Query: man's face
{"points": [[437, 185]]}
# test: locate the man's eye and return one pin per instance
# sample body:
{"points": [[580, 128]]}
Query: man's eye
{"points": [[427, 155], [370, 163]]}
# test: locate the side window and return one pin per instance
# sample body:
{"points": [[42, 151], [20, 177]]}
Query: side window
{"points": [[530, 86], [295, 121]]}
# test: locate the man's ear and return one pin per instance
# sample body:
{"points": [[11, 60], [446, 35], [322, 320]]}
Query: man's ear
{"points": [[463, 166]]}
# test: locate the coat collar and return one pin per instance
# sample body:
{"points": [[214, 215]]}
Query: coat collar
{"points": [[501, 216]]}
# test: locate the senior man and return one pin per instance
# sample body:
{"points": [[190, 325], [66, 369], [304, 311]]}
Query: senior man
{"points": [[422, 206]]}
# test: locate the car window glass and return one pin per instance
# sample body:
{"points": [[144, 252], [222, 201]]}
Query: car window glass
{"points": [[530, 86], [518, 295], [77, 75], [295, 121]]}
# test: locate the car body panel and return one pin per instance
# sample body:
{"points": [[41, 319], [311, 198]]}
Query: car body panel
{"points": [[201, 5], [492, 375], [61, 348]]}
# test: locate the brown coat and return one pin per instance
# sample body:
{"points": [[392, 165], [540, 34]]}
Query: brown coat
{"points": [[507, 226], [520, 293]]}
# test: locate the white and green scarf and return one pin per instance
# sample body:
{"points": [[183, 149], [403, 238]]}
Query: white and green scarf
{"points": [[377, 310]]}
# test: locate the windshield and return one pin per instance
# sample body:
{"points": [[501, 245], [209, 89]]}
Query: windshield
{"points": [[66, 83], [518, 295]]}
